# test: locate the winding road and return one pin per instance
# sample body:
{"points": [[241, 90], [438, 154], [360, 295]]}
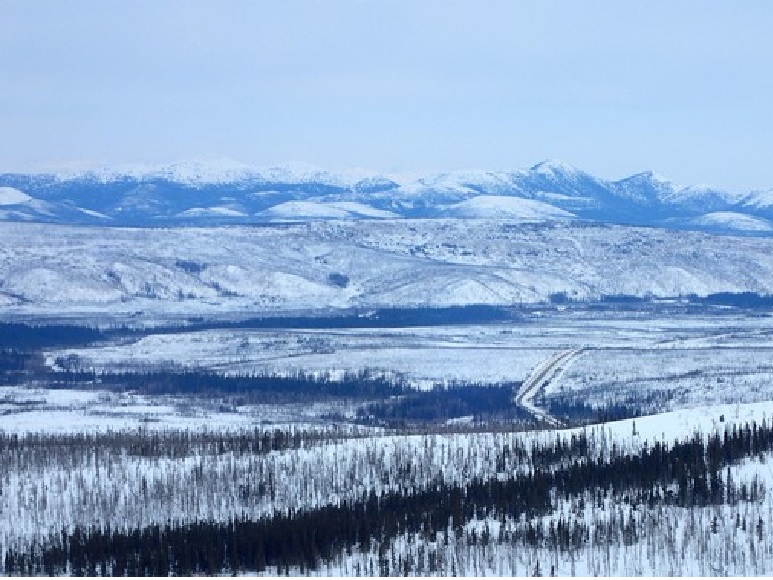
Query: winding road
{"points": [[540, 377]]}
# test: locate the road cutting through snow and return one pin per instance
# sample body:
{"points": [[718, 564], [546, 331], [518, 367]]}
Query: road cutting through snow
{"points": [[539, 378]]}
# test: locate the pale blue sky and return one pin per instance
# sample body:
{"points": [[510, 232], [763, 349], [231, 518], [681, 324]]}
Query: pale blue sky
{"points": [[683, 88]]}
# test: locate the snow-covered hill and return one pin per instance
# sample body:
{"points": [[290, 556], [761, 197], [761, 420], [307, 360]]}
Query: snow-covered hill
{"points": [[11, 196], [310, 210], [498, 206], [730, 220], [15, 205], [362, 263], [761, 201], [223, 191]]}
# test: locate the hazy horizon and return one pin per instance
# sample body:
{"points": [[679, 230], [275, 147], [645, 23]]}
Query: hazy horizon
{"points": [[397, 87]]}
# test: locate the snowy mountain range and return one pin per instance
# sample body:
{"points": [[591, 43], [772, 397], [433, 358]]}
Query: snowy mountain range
{"points": [[224, 192]]}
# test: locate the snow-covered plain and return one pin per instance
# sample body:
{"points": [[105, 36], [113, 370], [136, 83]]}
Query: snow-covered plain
{"points": [[419, 355], [660, 362], [66, 411]]}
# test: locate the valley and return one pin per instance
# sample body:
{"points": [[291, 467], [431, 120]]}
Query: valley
{"points": [[401, 387]]}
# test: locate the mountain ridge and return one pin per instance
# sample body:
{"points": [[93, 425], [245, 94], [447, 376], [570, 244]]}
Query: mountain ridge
{"points": [[223, 191]]}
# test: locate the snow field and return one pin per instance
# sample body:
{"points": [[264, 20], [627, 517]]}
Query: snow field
{"points": [[657, 362], [67, 411], [669, 378]]}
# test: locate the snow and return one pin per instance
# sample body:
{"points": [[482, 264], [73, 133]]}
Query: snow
{"points": [[493, 206], [647, 198], [759, 199], [363, 210], [12, 196], [697, 195], [304, 210], [191, 172], [387, 262], [299, 172], [660, 179], [658, 363], [682, 424], [22, 207], [458, 184], [734, 221], [669, 377], [16, 216], [551, 167], [422, 356], [311, 476], [213, 171], [93, 213], [102, 487], [708, 372], [215, 211], [205, 171], [35, 410]]}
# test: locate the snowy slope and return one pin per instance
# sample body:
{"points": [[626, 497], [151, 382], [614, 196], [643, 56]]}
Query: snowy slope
{"points": [[115, 490], [495, 206], [217, 211], [305, 210], [730, 220], [15, 205], [758, 202], [458, 184], [361, 210], [12, 196], [47, 268], [653, 190]]}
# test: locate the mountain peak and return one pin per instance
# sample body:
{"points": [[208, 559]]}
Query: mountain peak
{"points": [[653, 177], [553, 166]]}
